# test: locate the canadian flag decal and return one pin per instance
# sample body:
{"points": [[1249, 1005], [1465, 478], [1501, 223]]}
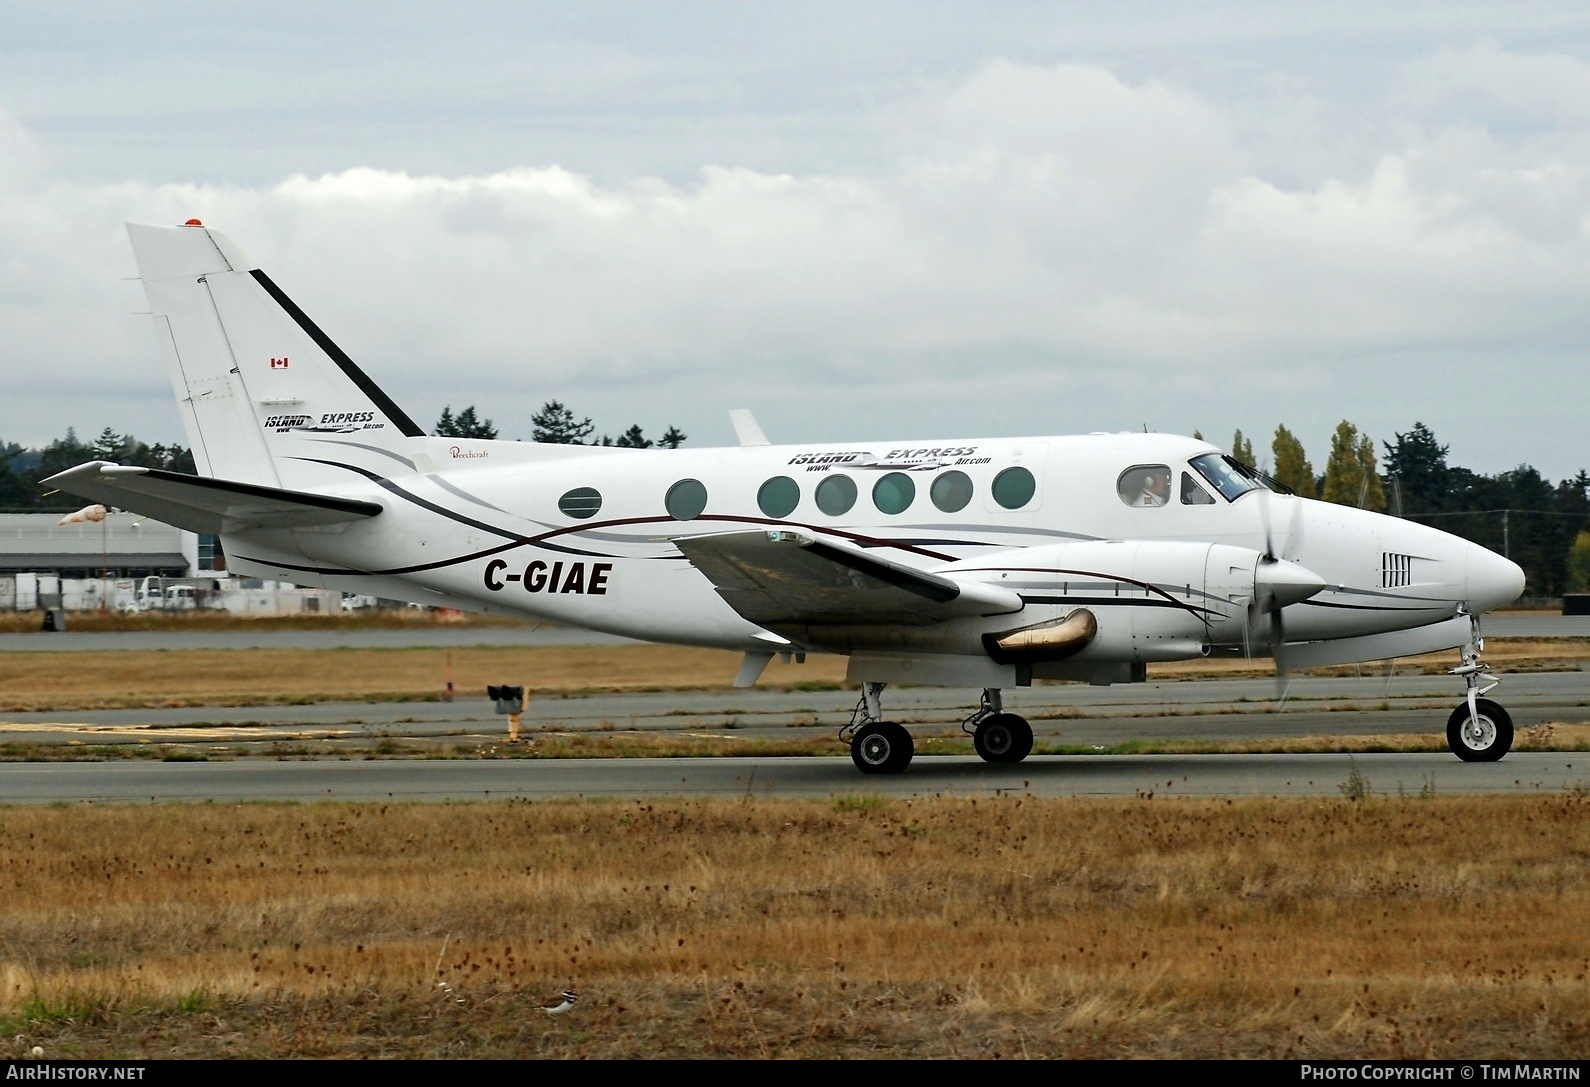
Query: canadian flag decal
{"points": [[279, 364]]}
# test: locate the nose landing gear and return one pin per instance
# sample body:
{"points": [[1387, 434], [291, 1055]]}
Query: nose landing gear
{"points": [[1479, 730]]}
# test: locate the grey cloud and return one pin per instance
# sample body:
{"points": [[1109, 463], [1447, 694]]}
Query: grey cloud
{"points": [[1042, 247]]}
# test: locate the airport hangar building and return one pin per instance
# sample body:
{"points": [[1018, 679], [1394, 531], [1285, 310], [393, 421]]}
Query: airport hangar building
{"points": [[123, 545]]}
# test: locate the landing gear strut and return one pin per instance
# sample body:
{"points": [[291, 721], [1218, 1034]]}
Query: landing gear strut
{"points": [[998, 736], [1479, 730], [876, 746]]}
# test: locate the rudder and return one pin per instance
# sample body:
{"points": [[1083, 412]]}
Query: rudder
{"points": [[255, 378]]}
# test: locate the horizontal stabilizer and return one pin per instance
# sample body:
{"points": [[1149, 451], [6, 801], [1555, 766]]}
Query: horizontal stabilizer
{"points": [[206, 505], [783, 578]]}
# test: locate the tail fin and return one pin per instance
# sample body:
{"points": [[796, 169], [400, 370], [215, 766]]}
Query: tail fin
{"points": [[256, 379]]}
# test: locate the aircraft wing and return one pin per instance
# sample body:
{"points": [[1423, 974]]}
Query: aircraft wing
{"points": [[206, 505], [781, 578]]}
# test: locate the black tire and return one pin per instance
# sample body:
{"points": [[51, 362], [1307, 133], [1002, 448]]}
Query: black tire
{"points": [[881, 747], [1487, 740], [1003, 738]]}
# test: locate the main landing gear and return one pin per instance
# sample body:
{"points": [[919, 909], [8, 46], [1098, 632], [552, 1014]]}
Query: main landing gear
{"points": [[876, 746], [884, 747], [998, 736], [1479, 730]]}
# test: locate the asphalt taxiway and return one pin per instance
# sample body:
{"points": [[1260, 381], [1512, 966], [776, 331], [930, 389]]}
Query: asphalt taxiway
{"points": [[1080, 718], [1071, 714], [757, 778]]}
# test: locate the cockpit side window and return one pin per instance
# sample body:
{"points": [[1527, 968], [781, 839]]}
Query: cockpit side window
{"points": [[1231, 478], [1144, 485], [1192, 494]]}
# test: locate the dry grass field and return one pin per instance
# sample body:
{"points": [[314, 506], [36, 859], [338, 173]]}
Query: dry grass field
{"points": [[857, 927], [91, 622], [248, 677], [32, 681]]}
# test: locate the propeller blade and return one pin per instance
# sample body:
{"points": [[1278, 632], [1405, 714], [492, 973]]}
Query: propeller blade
{"points": [[1278, 649], [1264, 520]]}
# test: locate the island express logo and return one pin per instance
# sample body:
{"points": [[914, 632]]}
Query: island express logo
{"points": [[332, 422], [895, 460]]}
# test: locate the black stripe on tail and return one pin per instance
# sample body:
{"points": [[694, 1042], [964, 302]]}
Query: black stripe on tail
{"points": [[381, 400]]}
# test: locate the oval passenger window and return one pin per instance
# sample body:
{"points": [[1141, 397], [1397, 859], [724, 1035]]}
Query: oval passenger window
{"points": [[835, 495], [686, 499], [1014, 487], [582, 502], [894, 493], [779, 496], [951, 491]]}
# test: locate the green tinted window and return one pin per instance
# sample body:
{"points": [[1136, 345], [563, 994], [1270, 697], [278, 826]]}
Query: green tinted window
{"points": [[894, 493], [686, 499], [1014, 488], [836, 494], [951, 491], [582, 502], [779, 496]]}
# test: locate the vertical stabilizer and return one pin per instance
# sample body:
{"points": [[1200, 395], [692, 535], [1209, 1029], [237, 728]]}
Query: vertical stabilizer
{"points": [[258, 383]]}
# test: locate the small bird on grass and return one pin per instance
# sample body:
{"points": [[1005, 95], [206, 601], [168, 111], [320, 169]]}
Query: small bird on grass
{"points": [[566, 1001]]}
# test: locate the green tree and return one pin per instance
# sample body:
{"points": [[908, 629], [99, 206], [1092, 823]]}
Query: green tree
{"points": [[1579, 564], [673, 438], [1291, 465], [632, 439], [14, 491], [1417, 463], [554, 424], [1242, 450], [111, 446], [466, 424], [1350, 477]]}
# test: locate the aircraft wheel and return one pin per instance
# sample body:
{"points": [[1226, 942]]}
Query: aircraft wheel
{"points": [[1003, 737], [881, 747], [1484, 738]]}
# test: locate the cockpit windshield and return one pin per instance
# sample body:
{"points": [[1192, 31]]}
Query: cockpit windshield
{"points": [[1231, 478]]}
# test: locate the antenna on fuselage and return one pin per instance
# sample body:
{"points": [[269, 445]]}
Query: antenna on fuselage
{"points": [[746, 428]]}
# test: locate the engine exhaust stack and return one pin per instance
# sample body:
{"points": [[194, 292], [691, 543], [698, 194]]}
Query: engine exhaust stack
{"points": [[1052, 641]]}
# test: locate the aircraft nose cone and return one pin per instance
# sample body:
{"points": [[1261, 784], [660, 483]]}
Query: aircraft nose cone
{"points": [[1286, 582], [1493, 581]]}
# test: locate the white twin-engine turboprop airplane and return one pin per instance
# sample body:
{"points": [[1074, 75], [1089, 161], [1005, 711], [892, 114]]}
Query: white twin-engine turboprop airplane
{"points": [[983, 562]]}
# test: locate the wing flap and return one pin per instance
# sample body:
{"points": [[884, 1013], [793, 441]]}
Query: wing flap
{"points": [[781, 578], [206, 505]]}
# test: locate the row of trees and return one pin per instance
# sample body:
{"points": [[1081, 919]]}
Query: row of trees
{"points": [[1541, 525], [556, 425], [21, 470], [1520, 513]]}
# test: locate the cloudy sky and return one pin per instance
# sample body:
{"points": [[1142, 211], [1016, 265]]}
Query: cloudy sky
{"points": [[879, 220]]}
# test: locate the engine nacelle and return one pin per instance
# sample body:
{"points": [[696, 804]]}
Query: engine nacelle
{"points": [[1147, 600]]}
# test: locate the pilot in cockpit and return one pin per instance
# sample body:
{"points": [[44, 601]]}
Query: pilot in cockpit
{"points": [[1156, 489]]}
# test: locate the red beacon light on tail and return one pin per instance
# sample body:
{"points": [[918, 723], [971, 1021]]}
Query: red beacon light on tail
{"points": [[193, 222]]}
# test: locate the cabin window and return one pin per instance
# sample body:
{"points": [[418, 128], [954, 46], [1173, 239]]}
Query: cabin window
{"points": [[894, 493], [951, 491], [686, 499], [582, 502], [1192, 494], [1144, 485], [836, 494], [1014, 487], [1231, 478], [779, 496]]}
